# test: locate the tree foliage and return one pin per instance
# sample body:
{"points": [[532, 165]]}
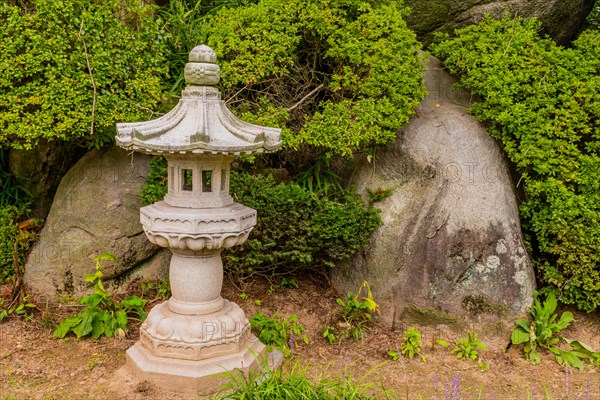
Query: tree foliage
{"points": [[69, 65], [542, 102], [339, 76]]}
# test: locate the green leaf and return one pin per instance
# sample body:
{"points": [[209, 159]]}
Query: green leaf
{"points": [[565, 320], [534, 357], [97, 329], [93, 300], [524, 324], [66, 325], [85, 325], [134, 302], [572, 360], [519, 336], [121, 318]]}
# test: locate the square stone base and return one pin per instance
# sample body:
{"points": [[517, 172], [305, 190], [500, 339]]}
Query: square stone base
{"points": [[191, 377]]}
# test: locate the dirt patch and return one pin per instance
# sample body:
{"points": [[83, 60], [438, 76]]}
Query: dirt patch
{"points": [[34, 365]]}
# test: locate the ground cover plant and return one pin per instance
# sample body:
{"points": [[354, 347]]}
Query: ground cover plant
{"points": [[542, 102], [356, 313]]}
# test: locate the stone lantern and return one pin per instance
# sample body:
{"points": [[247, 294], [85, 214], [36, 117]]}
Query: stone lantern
{"points": [[196, 334]]}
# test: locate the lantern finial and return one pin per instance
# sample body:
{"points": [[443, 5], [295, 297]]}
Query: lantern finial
{"points": [[202, 69]]}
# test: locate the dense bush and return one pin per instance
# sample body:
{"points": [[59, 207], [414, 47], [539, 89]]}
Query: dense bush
{"points": [[542, 102], [297, 229], [339, 76], [49, 52]]}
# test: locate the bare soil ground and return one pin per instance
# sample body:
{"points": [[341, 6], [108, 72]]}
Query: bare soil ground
{"points": [[34, 365]]}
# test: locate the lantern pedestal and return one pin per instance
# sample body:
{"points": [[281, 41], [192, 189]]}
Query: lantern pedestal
{"points": [[189, 341], [189, 376]]}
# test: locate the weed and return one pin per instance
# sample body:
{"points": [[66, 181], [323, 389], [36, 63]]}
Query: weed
{"points": [[543, 332], [19, 309], [468, 349], [356, 311], [278, 332], [329, 335], [102, 316], [160, 289], [378, 194], [289, 283], [411, 345]]}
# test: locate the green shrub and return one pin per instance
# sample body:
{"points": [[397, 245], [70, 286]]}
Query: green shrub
{"points": [[296, 228], [46, 90], [339, 75], [542, 102], [183, 23], [155, 186], [14, 201]]}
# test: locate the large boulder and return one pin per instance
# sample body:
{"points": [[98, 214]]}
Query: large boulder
{"points": [[450, 243], [560, 19], [40, 170], [95, 210]]}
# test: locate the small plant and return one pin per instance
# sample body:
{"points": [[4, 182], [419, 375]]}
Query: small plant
{"points": [[542, 332], [468, 349], [160, 289], [289, 283], [411, 345], [278, 332], [378, 194], [329, 335], [356, 311], [20, 309], [102, 316]]}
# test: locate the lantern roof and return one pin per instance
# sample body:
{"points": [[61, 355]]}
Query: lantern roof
{"points": [[200, 122]]}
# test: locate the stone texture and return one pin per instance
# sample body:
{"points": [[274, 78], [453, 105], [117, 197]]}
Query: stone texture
{"points": [[40, 170], [560, 19], [451, 241], [95, 210]]}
